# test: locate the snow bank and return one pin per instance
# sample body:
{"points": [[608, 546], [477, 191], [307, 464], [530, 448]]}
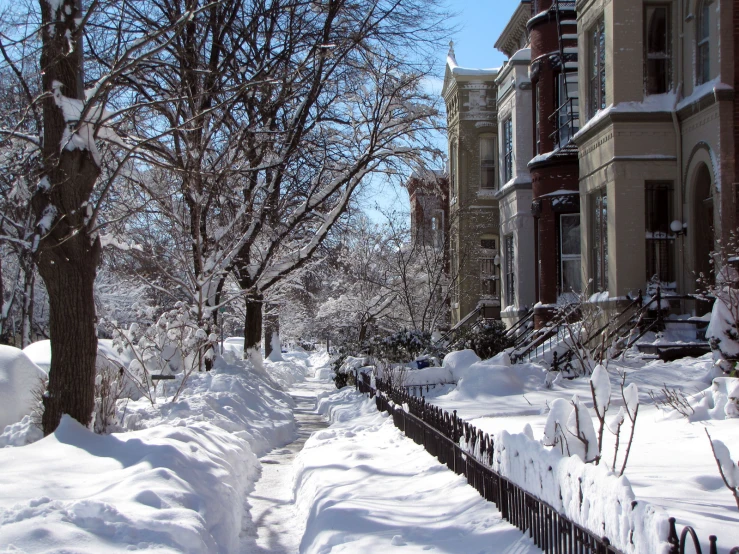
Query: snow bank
{"points": [[493, 378], [589, 495], [428, 376], [352, 363], [177, 481], [169, 488], [19, 376], [230, 397]]}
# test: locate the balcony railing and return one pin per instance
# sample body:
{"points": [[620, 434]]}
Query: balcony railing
{"points": [[566, 121]]}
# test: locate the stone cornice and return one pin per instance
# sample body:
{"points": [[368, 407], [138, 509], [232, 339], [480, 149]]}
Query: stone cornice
{"points": [[510, 38]]}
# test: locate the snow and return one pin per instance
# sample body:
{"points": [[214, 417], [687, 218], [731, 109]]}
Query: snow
{"points": [[176, 480], [19, 377], [601, 385], [381, 492], [670, 469]]}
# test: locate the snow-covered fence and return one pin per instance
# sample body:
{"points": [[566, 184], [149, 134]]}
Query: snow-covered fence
{"points": [[563, 503]]}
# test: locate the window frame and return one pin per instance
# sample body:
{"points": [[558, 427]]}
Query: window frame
{"points": [[659, 250], [597, 67], [568, 257], [666, 56], [488, 279], [599, 238], [453, 171], [510, 270], [508, 149], [488, 167], [703, 43]]}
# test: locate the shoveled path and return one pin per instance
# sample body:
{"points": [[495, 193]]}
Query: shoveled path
{"points": [[274, 526]]}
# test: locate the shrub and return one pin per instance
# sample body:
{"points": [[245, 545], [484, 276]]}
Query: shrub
{"points": [[487, 339]]}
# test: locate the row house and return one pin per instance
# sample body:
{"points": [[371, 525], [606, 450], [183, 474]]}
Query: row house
{"points": [[657, 149], [616, 164], [471, 101]]}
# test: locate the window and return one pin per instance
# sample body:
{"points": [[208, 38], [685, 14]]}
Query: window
{"points": [[599, 225], [508, 149], [660, 239], [703, 50], [488, 277], [536, 119], [453, 170], [510, 281], [657, 58], [569, 252], [487, 162], [597, 72]]}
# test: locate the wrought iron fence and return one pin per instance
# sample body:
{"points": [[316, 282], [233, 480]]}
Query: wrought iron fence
{"points": [[440, 432]]}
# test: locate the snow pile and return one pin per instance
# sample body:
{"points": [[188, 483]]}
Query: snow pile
{"points": [[285, 371], [230, 397], [428, 376], [459, 361], [170, 489], [589, 495], [351, 364], [19, 377], [177, 481], [496, 377]]}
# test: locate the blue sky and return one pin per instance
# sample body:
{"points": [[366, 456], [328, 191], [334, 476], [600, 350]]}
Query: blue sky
{"points": [[480, 24]]}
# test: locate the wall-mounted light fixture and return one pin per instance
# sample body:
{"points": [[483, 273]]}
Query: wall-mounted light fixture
{"points": [[678, 227]]}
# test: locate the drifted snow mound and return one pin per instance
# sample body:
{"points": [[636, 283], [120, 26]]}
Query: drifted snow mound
{"points": [[19, 376], [493, 378], [166, 489], [459, 362]]}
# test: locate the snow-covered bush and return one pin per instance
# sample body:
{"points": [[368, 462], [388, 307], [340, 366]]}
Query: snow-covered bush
{"points": [[176, 343], [728, 469], [19, 377], [400, 347], [487, 339]]}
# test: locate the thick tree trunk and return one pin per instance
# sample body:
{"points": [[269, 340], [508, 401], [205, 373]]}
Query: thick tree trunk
{"points": [[71, 388], [67, 255], [253, 323]]}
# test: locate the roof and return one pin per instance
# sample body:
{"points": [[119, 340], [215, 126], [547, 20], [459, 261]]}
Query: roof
{"points": [[455, 72], [510, 39]]}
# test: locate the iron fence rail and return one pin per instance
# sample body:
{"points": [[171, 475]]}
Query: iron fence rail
{"points": [[440, 432]]}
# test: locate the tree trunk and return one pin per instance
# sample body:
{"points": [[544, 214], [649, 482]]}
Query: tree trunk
{"points": [[253, 323], [67, 255], [271, 327]]}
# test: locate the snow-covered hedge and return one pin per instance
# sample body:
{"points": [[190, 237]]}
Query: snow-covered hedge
{"points": [[589, 495]]}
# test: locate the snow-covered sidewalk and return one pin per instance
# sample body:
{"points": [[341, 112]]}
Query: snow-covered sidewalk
{"points": [[363, 487], [273, 527]]}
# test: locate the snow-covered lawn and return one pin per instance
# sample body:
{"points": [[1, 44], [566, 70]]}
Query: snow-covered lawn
{"points": [[363, 487], [670, 465]]}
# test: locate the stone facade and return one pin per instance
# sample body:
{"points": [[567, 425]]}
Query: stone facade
{"points": [[665, 158], [515, 129], [470, 96]]}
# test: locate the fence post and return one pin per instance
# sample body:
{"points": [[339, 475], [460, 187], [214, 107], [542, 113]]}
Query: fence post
{"points": [[672, 538]]}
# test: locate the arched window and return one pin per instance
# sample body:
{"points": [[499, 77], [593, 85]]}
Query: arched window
{"points": [[703, 43]]}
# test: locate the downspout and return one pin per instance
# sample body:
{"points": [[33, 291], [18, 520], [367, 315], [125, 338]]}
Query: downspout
{"points": [[679, 147]]}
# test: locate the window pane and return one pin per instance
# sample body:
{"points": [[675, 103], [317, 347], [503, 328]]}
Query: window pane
{"points": [[657, 30], [570, 233], [487, 162], [571, 275]]}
